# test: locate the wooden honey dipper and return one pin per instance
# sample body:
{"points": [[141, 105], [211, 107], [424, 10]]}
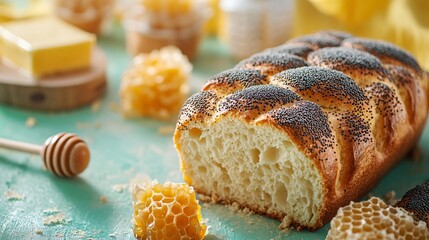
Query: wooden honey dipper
{"points": [[64, 154]]}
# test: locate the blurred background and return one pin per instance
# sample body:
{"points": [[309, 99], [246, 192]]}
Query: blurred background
{"points": [[243, 26]]}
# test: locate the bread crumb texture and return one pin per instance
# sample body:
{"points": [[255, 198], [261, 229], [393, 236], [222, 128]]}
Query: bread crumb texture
{"points": [[30, 122], [156, 84], [166, 211], [271, 174], [166, 130], [374, 219], [95, 106], [119, 188], [50, 211], [11, 195], [79, 234], [55, 219], [103, 199]]}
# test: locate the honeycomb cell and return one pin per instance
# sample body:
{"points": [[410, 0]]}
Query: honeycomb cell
{"points": [[156, 84], [178, 218], [374, 219]]}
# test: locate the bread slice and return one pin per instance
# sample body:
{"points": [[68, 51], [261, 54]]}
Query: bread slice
{"points": [[298, 131]]}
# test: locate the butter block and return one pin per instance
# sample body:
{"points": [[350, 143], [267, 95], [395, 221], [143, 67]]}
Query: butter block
{"points": [[45, 46]]}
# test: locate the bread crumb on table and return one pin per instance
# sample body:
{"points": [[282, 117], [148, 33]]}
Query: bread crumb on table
{"points": [[205, 198], [78, 234], [95, 106], [50, 211], [390, 198], [59, 235], [234, 207], [30, 122], [285, 224], [119, 187], [11, 195], [166, 130], [97, 124], [54, 219], [214, 198], [246, 211], [115, 107]]}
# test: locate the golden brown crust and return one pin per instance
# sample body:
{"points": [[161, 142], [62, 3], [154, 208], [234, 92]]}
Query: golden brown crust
{"points": [[361, 66], [197, 108], [326, 87], [271, 63], [235, 79], [251, 102], [386, 52], [354, 112]]}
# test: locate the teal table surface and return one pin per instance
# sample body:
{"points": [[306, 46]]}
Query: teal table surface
{"points": [[125, 151]]}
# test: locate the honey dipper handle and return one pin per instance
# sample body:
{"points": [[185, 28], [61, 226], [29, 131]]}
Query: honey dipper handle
{"points": [[20, 146]]}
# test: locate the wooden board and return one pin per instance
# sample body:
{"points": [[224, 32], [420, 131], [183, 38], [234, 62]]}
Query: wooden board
{"points": [[58, 92]]}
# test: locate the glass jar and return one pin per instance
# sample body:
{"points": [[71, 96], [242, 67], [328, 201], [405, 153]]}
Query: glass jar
{"points": [[249, 26]]}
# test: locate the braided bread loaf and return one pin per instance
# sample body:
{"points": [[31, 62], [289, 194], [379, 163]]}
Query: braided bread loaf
{"points": [[297, 131]]}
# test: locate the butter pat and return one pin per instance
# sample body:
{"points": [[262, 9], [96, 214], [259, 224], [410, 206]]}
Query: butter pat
{"points": [[45, 46]]}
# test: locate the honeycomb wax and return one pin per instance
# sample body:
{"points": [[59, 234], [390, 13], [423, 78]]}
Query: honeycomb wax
{"points": [[166, 211], [156, 84], [374, 219]]}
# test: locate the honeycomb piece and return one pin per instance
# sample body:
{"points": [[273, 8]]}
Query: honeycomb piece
{"points": [[167, 211], [374, 219], [156, 84]]}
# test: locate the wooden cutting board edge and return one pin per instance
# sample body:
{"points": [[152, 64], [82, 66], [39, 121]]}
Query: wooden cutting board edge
{"points": [[55, 93]]}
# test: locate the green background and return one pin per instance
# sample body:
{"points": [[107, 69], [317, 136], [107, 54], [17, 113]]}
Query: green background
{"points": [[123, 149]]}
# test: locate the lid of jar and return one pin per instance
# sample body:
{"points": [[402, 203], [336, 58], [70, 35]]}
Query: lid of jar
{"points": [[253, 5]]}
